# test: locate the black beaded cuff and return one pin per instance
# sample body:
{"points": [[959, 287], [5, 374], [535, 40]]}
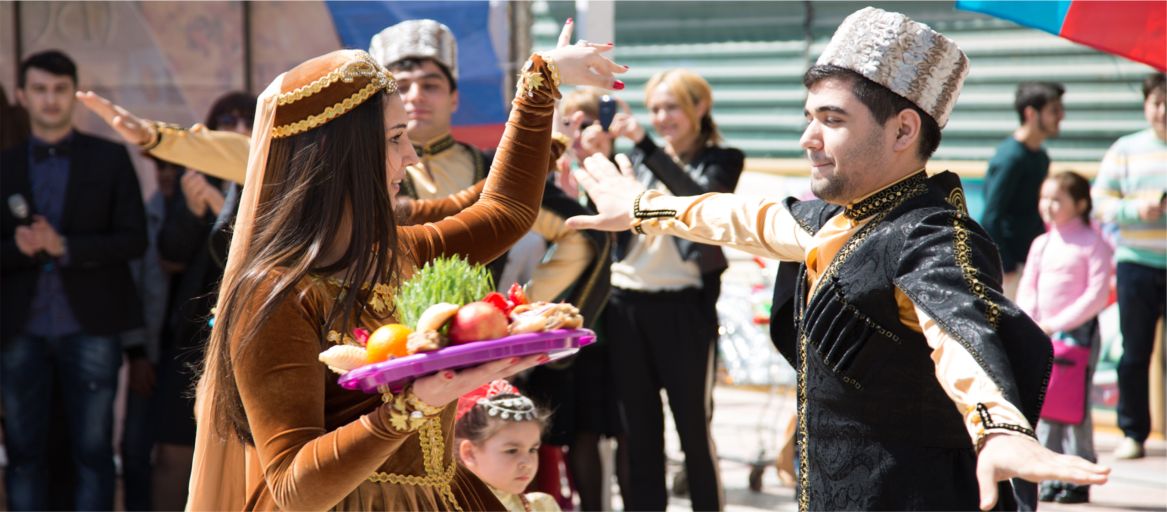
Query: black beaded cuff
{"points": [[640, 214], [988, 424]]}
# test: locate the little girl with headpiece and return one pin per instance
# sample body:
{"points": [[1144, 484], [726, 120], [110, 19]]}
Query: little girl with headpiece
{"points": [[497, 438]]}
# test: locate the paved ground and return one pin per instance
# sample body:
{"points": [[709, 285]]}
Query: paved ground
{"points": [[745, 426], [745, 419]]}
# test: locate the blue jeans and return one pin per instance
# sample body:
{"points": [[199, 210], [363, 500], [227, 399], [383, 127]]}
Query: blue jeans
{"points": [[1141, 292], [86, 372]]}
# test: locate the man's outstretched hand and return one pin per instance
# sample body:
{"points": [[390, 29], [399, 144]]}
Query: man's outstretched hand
{"points": [[612, 190], [132, 128], [1006, 456]]}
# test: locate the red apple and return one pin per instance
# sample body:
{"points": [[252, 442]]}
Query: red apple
{"points": [[477, 321]]}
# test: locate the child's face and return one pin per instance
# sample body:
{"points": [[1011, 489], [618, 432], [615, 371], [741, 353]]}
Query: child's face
{"points": [[507, 460], [1056, 206]]}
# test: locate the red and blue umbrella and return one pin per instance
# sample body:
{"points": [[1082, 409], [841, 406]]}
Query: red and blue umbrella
{"points": [[1135, 30]]}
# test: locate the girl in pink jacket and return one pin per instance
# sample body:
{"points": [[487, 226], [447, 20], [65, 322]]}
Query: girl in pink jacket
{"points": [[1064, 287]]}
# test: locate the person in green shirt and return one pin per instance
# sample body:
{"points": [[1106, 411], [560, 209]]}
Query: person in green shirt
{"points": [[1016, 173]]}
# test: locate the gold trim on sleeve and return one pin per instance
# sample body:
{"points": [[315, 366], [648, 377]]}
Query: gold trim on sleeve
{"points": [[963, 255]]}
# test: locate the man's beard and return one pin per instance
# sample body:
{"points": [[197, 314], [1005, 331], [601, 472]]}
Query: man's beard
{"points": [[831, 189], [1050, 130]]}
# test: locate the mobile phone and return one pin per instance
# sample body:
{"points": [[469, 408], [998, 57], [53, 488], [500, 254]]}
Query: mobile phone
{"points": [[607, 111]]}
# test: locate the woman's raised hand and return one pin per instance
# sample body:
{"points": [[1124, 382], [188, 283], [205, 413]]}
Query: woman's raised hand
{"points": [[132, 128], [582, 63]]}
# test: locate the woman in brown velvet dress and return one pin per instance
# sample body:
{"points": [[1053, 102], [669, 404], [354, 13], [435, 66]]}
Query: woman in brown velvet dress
{"points": [[315, 253]]}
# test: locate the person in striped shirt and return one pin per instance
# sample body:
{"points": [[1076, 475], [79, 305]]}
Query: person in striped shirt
{"points": [[1130, 192]]}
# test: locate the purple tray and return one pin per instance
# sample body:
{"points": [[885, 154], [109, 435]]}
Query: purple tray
{"points": [[396, 373]]}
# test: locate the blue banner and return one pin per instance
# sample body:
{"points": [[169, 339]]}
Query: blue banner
{"points": [[480, 75], [1043, 15]]}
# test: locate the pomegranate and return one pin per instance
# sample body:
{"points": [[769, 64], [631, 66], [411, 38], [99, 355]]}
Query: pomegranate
{"points": [[477, 321]]}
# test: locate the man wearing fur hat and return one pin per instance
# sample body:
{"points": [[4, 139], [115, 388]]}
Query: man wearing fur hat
{"points": [[423, 57], [918, 381]]}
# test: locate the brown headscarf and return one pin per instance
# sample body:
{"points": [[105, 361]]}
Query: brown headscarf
{"points": [[306, 97]]}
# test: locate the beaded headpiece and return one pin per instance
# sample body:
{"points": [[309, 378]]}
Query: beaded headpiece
{"points": [[501, 400], [418, 39], [326, 87], [907, 57]]}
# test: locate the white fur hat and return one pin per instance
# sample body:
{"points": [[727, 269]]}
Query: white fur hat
{"points": [[419, 39], [907, 57]]}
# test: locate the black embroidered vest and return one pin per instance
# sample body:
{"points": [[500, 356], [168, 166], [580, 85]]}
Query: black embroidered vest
{"points": [[875, 429]]}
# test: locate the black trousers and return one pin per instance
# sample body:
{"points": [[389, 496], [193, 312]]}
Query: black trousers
{"points": [[1141, 291], [666, 340]]}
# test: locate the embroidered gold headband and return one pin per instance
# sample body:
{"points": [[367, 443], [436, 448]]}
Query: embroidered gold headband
{"points": [[326, 87]]}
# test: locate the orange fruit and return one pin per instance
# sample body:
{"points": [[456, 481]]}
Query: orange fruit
{"points": [[386, 342]]}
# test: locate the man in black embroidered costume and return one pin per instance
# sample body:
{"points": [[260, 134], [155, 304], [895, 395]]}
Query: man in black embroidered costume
{"points": [[918, 382]]}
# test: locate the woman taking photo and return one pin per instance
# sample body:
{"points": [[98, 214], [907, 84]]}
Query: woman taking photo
{"points": [[661, 320], [315, 253]]}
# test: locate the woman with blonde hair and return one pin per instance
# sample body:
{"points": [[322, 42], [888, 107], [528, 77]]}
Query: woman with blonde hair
{"points": [[315, 253], [662, 316]]}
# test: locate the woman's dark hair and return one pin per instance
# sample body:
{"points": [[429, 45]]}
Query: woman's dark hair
{"points": [[237, 103], [1078, 188], [477, 425], [311, 182], [881, 101]]}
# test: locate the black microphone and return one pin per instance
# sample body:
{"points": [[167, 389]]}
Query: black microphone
{"points": [[18, 205]]}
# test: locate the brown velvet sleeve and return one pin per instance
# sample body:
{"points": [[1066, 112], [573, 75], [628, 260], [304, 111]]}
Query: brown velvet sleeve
{"points": [[512, 192], [420, 211], [282, 385]]}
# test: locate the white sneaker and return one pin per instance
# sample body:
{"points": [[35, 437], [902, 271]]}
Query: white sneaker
{"points": [[1129, 449]]}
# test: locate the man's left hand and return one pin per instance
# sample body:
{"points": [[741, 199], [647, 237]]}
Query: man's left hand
{"points": [[612, 191], [51, 241], [1006, 456]]}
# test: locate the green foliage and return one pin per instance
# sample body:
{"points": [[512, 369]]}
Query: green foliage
{"points": [[446, 279]]}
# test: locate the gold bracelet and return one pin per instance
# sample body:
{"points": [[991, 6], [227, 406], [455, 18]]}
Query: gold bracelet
{"points": [[155, 136], [532, 77], [419, 405], [407, 413], [552, 68]]}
